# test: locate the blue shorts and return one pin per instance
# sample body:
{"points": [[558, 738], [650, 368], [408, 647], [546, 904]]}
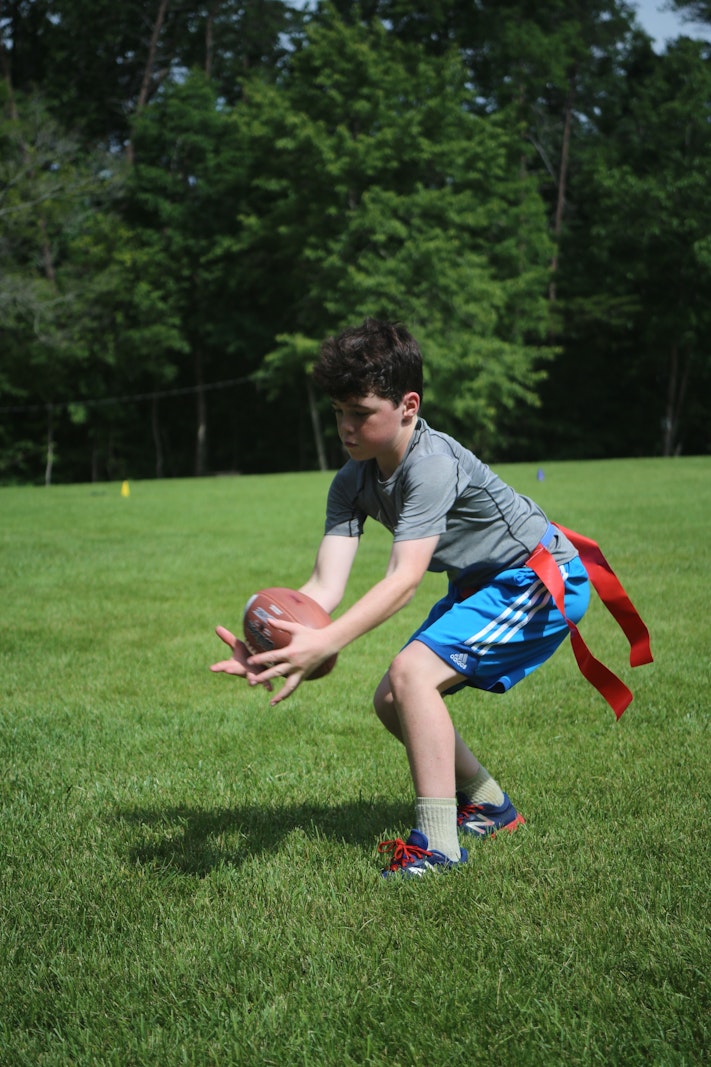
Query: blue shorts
{"points": [[503, 631]]}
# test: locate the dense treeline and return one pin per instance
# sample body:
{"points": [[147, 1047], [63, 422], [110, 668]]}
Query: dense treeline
{"points": [[193, 195]]}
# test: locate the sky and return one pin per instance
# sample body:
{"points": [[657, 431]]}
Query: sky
{"points": [[661, 25], [664, 25]]}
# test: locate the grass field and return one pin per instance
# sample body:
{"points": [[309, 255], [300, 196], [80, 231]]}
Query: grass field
{"points": [[190, 877]]}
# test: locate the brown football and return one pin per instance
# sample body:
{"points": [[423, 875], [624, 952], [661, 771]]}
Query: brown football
{"points": [[261, 635]]}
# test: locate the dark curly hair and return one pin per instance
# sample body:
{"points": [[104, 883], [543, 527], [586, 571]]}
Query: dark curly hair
{"points": [[376, 357]]}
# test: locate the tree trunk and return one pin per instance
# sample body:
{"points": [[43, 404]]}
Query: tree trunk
{"points": [[148, 70], [158, 444], [6, 72], [47, 258], [50, 446], [676, 396], [201, 410], [209, 39], [562, 182], [316, 425]]}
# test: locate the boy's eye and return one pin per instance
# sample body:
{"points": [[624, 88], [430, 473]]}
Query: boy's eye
{"points": [[354, 413]]}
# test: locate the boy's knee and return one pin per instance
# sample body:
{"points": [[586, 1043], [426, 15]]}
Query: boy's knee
{"points": [[383, 698], [402, 672], [385, 709], [417, 670]]}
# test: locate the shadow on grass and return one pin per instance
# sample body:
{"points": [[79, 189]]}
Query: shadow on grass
{"points": [[194, 841]]}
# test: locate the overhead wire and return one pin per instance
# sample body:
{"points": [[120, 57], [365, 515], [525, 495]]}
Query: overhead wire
{"points": [[158, 394]]}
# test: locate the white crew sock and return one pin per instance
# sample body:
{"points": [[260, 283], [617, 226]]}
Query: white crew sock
{"points": [[436, 817], [482, 788]]}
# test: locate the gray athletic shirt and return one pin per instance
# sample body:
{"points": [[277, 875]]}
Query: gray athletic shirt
{"points": [[441, 488]]}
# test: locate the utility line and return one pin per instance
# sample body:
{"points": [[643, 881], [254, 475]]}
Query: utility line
{"points": [[105, 401]]}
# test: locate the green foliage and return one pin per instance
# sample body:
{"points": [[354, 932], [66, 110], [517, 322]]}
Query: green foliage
{"points": [[52, 198], [646, 213], [294, 354], [401, 203], [193, 196], [93, 61], [694, 10], [189, 876]]}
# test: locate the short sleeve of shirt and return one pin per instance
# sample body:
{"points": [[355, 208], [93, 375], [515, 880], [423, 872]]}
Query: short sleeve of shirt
{"points": [[428, 491], [441, 489], [345, 516]]}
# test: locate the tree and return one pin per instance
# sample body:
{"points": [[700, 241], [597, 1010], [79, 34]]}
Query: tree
{"points": [[450, 164], [693, 10], [537, 65], [84, 311], [640, 247], [379, 191], [48, 192], [185, 196], [99, 63]]}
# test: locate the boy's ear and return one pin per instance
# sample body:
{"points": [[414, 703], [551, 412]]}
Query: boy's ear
{"points": [[411, 405]]}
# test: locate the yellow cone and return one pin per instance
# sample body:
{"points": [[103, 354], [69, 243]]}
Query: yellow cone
{"points": [[125, 489]]}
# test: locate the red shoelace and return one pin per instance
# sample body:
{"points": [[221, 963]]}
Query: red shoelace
{"points": [[466, 811], [402, 853]]}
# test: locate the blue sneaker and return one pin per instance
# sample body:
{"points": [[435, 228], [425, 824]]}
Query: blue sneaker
{"points": [[485, 820], [412, 858]]}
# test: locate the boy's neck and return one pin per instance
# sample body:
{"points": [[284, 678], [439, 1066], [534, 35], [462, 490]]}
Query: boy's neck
{"points": [[388, 464]]}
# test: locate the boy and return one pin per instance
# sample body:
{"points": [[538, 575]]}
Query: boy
{"points": [[450, 513]]}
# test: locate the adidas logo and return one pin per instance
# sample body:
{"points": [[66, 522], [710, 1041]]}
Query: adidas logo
{"points": [[460, 659]]}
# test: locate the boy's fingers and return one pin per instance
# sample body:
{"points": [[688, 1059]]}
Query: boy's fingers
{"points": [[287, 689], [226, 635], [261, 672], [256, 679], [229, 666], [288, 625]]}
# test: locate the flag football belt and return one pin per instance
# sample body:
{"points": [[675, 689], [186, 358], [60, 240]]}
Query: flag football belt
{"points": [[610, 590]]}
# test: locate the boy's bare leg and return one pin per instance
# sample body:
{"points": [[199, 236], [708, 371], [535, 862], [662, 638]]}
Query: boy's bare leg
{"points": [[470, 776], [412, 706], [466, 765], [417, 677], [409, 703]]}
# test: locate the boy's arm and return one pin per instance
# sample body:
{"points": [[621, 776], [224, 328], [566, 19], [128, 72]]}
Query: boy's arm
{"points": [[328, 580], [309, 648], [407, 566], [326, 585]]}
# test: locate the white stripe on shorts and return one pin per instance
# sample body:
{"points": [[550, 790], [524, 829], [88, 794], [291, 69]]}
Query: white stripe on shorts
{"points": [[511, 620]]}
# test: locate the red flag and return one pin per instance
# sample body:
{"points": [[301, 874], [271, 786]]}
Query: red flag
{"points": [[615, 599]]}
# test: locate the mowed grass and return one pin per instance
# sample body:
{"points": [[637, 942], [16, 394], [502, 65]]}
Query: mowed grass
{"points": [[191, 877]]}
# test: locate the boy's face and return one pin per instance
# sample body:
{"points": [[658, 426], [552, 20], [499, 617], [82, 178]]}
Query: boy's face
{"points": [[371, 427]]}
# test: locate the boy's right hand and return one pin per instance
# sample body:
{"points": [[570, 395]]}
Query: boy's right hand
{"points": [[238, 662]]}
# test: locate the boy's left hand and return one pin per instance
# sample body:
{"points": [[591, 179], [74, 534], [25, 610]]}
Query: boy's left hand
{"points": [[238, 664], [306, 651]]}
